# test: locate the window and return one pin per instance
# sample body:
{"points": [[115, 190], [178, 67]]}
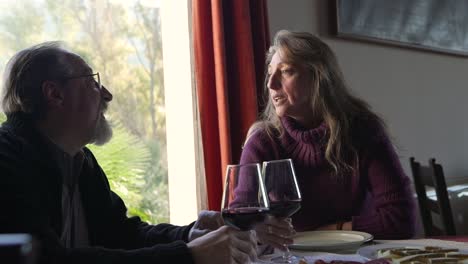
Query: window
{"points": [[122, 40]]}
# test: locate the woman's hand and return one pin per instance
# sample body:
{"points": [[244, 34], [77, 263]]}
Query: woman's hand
{"points": [[344, 226], [276, 232]]}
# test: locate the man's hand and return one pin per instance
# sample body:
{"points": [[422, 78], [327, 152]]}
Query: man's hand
{"points": [[275, 232], [224, 245], [207, 221]]}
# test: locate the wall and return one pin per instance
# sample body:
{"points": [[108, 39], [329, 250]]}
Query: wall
{"points": [[421, 95]]}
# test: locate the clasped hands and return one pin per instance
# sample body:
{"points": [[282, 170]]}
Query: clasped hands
{"points": [[213, 242]]}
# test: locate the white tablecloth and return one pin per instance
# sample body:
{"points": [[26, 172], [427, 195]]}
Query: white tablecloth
{"points": [[311, 257]]}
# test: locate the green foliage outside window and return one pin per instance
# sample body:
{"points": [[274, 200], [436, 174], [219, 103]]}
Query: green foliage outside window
{"points": [[126, 161], [122, 41]]}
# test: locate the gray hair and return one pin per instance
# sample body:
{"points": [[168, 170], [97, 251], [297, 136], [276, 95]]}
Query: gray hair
{"points": [[25, 73]]}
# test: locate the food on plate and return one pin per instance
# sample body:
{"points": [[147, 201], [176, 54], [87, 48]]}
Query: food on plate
{"points": [[408, 255], [319, 261], [379, 261], [375, 261], [423, 255]]}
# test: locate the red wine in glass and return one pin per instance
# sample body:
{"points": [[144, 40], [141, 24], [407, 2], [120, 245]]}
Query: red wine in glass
{"points": [[283, 209], [244, 201], [244, 218]]}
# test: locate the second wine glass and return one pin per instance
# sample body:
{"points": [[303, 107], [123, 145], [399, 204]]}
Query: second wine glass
{"points": [[283, 193]]}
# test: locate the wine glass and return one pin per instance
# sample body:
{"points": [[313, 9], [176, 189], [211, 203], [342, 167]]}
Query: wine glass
{"points": [[283, 194], [244, 202]]}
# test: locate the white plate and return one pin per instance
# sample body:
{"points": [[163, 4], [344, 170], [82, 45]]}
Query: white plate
{"points": [[329, 240], [370, 252]]}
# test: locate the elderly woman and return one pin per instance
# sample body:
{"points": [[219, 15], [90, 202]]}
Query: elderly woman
{"points": [[346, 165]]}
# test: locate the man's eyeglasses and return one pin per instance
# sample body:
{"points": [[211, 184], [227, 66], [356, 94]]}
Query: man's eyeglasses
{"points": [[97, 79]]}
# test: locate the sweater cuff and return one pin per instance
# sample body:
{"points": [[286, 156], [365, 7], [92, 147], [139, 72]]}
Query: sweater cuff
{"points": [[374, 226], [187, 231], [175, 252], [367, 224]]}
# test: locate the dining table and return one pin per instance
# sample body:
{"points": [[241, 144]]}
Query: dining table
{"points": [[363, 253]]}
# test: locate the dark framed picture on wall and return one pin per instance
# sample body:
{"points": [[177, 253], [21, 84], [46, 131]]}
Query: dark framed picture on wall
{"points": [[434, 25]]}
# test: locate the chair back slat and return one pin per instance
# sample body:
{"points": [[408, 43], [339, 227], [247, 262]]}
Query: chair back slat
{"points": [[433, 206], [426, 176], [436, 231], [432, 176]]}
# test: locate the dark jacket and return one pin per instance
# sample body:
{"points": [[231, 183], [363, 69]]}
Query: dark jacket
{"points": [[30, 202]]}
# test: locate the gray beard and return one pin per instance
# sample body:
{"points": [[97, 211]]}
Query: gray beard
{"points": [[102, 133]]}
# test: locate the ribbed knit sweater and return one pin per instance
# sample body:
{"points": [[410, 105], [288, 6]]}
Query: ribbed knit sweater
{"points": [[377, 197]]}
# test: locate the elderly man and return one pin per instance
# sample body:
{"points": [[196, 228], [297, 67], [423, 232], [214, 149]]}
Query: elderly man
{"points": [[51, 186]]}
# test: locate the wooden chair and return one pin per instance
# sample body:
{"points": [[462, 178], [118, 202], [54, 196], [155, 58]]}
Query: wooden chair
{"points": [[432, 176]]}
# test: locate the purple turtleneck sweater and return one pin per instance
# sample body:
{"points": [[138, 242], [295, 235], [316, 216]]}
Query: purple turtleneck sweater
{"points": [[377, 197]]}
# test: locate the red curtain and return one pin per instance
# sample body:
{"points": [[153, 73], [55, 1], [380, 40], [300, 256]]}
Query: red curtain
{"points": [[230, 41]]}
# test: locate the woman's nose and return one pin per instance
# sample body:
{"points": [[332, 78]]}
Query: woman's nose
{"points": [[273, 82], [106, 95]]}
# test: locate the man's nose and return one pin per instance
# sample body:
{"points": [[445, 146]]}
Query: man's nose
{"points": [[106, 95]]}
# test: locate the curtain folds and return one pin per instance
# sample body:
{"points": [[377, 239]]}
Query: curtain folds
{"points": [[230, 40]]}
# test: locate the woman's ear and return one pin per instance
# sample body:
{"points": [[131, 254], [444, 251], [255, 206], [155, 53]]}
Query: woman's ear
{"points": [[53, 94]]}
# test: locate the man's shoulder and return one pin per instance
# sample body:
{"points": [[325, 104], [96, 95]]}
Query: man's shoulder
{"points": [[18, 160], [10, 141]]}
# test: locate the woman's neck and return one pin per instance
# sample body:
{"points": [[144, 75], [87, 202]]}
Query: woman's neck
{"points": [[308, 122]]}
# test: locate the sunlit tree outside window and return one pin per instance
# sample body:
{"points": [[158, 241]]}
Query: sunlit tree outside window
{"points": [[122, 41]]}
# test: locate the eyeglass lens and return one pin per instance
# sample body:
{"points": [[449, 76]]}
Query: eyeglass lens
{"points": [[97, 80]]}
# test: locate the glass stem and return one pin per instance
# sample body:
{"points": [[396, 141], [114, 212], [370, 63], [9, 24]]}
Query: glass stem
{"points": [[287, 255]]}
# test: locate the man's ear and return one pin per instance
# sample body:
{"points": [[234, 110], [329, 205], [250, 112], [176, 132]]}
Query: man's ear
{"points": [[53, 94]]}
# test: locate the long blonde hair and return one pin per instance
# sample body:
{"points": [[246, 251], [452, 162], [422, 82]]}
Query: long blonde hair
{"points": [[330, 98]]}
